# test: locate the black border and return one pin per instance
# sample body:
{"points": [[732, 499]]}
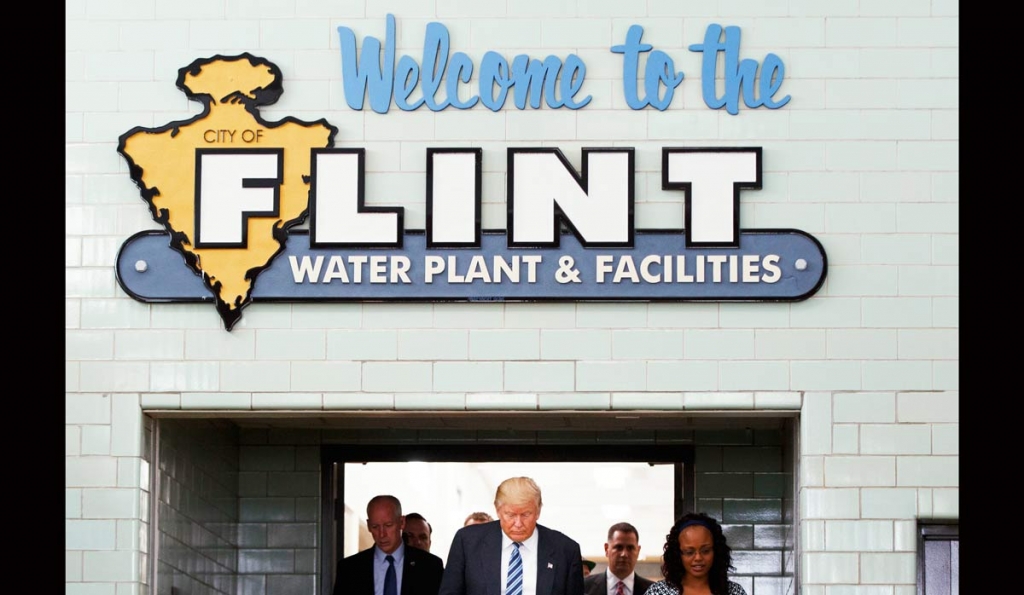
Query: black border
{"points": [[332, 480], [687, 188], [478, 182], [360, 203], [343, 299], [582, 181], [932, 530], [274, 183]]}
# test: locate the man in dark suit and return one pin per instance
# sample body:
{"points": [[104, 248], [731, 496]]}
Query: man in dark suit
{"points": [[389, 567], [622, 550], [417, 532], [513, 555]]}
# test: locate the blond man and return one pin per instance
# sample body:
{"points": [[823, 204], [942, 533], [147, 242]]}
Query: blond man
{"points": [[515, 555]]}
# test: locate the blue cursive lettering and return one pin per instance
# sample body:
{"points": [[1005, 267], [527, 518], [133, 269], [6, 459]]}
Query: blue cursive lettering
{"points": [[739, 74], [529, 80]]}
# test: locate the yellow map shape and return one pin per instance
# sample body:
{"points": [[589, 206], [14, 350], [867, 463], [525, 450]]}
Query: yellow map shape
{"points": [[163, 164]]}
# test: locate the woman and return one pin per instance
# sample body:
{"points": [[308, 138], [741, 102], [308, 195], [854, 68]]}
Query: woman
{"points": [[697, 560]]}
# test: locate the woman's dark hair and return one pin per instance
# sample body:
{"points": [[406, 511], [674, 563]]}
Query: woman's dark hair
{"points": [[672, 561]]}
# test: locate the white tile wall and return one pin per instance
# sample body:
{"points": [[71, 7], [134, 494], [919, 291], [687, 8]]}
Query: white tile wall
{"points": [[828, 568], [853, 280], [934, 407], [274, 344], [812, 471], [790, 344], [504, 345], [719, 400], [721, 344], [902, 439], [362, 345], [426, 401], [888, 568], [673, 375], [753, 376], [865, 407], [576, 344], [946, 503], [513, 401], [829, 503], [903, 375], [254, 376], [96, 440], [865, 157], [533, 376], [614, 375], [859, 536], [647, 344], [218, 400], [360, 401], [289, 400], [110, 504], [860, 471], [845, 439], [859, 590], [433, 344], [196, 376], [72, 440], [933, 471], [945, 439], [817, 375], [468, 376]]}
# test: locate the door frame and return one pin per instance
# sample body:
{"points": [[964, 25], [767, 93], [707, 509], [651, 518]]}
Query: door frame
{"points": [[333, 458]]}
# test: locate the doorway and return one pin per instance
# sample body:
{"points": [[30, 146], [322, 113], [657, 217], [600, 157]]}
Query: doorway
{"points": [[245, 501], [664, 476]]}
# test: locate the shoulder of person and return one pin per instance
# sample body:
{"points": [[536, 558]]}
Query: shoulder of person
{"points": [[368, 552], [480, 527], [429, 558], [357, 557], [736, 589], [555, 533], [478, 530]]}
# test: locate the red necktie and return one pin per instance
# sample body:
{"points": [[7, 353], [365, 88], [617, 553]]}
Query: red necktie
{"points": [[620, 589]]}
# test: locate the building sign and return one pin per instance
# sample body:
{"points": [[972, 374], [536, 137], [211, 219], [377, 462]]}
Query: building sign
{"points": [[558, 82], [229, 188]]}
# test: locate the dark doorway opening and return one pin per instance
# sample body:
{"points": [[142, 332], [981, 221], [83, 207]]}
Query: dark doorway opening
{"points": [[335, 457]]}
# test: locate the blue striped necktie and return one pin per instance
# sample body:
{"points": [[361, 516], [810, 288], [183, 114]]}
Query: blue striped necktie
{"points": [[514, 584]]}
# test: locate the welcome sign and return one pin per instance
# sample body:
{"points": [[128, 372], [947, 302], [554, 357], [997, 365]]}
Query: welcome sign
{"points": [[229, 189], [555, 81]]}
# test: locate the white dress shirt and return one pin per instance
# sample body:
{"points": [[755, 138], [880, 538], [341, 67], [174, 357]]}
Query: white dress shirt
{"points": [[528, 552], [613, 582], [380, 568]]}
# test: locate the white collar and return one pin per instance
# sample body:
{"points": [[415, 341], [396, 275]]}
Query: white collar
{"points": [[529, 543]]}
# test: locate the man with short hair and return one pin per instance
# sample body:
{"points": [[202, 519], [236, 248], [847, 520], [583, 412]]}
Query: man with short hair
{"points": [[623, 551], [417, 532], [388, 568], [514, 556], [477, 517]]}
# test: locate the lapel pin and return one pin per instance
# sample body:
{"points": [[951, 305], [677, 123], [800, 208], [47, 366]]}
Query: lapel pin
{"points": [[412, 563], [550, 565]]}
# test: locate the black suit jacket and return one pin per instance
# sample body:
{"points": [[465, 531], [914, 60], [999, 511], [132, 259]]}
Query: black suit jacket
{"points": [[597, 584], [474, 562], [421, 573]]}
